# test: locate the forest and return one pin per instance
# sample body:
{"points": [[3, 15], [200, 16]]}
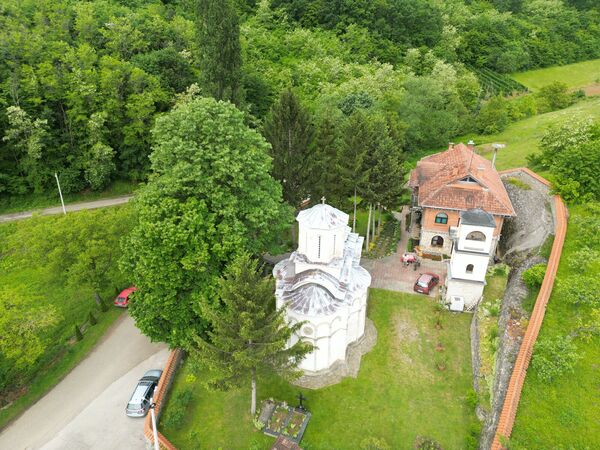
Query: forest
{"points": [[82, 82]]}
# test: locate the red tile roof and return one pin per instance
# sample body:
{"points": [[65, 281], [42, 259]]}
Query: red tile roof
{"points": [[438, 179]]}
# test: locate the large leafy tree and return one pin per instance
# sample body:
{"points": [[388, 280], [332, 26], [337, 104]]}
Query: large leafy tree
{"points": [[210, 197], [220, 50], [290, 132], [249, 335]]}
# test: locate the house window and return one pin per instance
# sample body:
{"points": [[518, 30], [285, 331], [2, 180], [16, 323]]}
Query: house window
{"points": [[437, 241], [470, 268], [319, 247], [441, 218], [476, 236]]}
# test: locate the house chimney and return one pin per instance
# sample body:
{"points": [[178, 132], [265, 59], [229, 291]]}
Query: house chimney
{"points": [[471, 145], [496, 147]]}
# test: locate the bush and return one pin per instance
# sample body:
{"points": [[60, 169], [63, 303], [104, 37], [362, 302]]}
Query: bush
{"points": [[493, 116], [554, 356], [554, 96], [177, 410], [92, 319], [78, 333], [425, 443], [373, 443], [534, 276]]}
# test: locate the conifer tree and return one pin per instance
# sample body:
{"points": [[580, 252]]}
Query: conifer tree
{"points": [[289, 130], [218, 32], [249, 335], [324, 178], [356, 136]]}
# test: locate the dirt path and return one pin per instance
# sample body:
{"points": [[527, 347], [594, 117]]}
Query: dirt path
{"points": [[72, 207], [80, 409]]}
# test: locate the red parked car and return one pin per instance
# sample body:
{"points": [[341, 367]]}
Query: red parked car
{"points": [[123, 299], [426, 282]]}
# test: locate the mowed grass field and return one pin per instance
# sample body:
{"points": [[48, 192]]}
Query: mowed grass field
{"points": [[522, 138], [564, 414], [578, 75], [399, 393]]}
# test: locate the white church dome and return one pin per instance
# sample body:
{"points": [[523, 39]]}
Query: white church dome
{"points": [[323, 217]]}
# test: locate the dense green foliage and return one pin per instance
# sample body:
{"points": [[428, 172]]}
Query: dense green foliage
{"points": [[81, 83], [209, 198], [559, 399], [50, 268], [570, 152], [249, 336], [399, 390], [502, 35], [534, 276]]}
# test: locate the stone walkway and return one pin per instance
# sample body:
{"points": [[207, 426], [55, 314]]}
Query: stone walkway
{"points": [[391, 274]]}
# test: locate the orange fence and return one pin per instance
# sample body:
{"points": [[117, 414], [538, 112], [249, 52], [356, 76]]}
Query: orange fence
{"points": [[515, 386], [163, 387]]}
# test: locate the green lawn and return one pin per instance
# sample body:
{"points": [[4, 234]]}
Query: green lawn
{"points": [[522, 138], [50, 199], [398, 395], [565, 413], [576, 75]]}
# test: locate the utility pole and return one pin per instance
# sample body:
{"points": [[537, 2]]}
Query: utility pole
{"points": [[154, 430], [60, 193]]}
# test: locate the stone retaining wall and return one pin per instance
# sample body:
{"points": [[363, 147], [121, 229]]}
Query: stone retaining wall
{"points": [[160, 395], [517, 379]]}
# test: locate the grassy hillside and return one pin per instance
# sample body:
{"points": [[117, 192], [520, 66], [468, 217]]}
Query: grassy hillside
{"points": [[578, 75], [564, 413], [522, 138]]}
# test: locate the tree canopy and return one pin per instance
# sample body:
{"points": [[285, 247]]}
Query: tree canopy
{"points": [[209, 198]]}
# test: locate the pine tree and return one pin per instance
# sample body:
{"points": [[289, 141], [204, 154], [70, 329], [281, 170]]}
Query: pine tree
{"points": [[289, 130], [324, 179], [249, 335], [356, 136], [220, 50]]}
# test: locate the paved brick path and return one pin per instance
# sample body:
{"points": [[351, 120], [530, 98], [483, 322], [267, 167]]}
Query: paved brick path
{"points": [[391, 274]]}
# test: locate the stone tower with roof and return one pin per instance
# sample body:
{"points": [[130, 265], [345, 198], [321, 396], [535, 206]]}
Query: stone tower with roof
{"points": [[323, 285]]}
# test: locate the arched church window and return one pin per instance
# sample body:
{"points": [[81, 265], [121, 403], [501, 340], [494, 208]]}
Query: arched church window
{"points": [[476, 236], [441, 218], [470, 268], [437, 241]]}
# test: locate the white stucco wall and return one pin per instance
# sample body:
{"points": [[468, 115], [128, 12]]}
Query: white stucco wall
{"points": [[475, 246], [470, 291], [460, 261], [331, 245]]}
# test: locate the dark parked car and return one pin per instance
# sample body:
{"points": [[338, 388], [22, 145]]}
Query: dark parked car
{"points": [[426, 282], [139, 403]]}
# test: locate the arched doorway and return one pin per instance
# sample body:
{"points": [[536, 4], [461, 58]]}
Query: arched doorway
{"points": [[437, 241]]}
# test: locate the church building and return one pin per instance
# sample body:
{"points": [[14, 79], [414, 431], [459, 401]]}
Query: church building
{"points": [[322, 284]]}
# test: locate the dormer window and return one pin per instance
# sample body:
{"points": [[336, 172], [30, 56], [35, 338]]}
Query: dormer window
{"points": [[476, 236], [441, 218], [468, 180]]}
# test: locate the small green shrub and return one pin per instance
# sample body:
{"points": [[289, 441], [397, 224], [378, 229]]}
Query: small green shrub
{"points": [[554, 356], [425, 443], [472, 398], [518, 183], [177, 410], [78, 333], [373, 443], [259, 425], [411, 245], [534, 276]]}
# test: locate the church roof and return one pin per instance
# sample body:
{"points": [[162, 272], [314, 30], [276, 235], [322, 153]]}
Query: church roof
{"points": [[323, 217], [460, 179], [477, 217]]}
